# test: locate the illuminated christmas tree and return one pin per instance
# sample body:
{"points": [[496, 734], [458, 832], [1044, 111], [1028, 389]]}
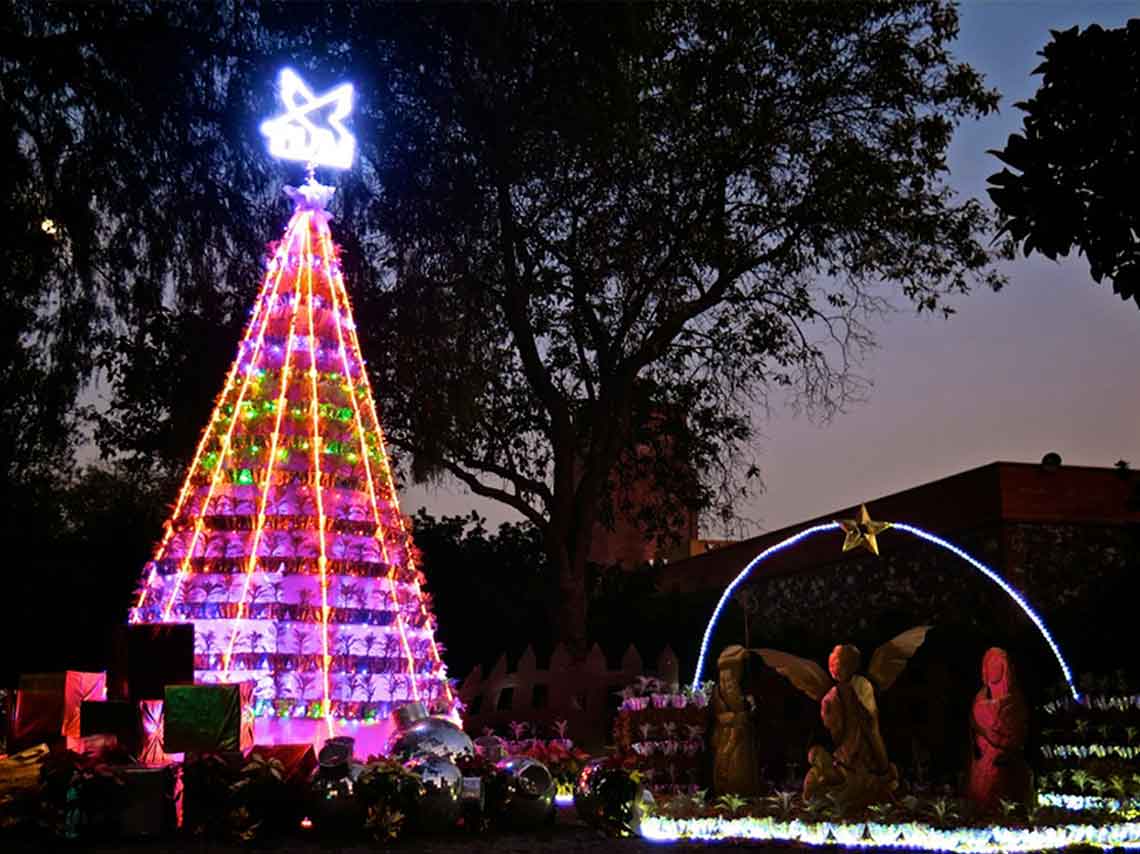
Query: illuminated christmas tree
{"points": [[286, 547]]}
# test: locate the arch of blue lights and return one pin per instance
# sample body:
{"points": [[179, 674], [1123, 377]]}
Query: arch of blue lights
{"points": [[896, 526]]}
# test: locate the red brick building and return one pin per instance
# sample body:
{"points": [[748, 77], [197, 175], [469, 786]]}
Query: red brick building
{"points": [[1068, 537], [1001, 498]]}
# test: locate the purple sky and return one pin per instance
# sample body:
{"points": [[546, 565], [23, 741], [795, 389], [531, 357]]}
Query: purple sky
{"points": [[1048, 364]]}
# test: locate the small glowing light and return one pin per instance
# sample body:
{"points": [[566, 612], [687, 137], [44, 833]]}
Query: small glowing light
{"points": [[306, 823], [295, 135], [49, 227]]}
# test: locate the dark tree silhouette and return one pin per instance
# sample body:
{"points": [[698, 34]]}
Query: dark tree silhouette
{"points": [[606, 225], [1071, 176], [574, 231]]}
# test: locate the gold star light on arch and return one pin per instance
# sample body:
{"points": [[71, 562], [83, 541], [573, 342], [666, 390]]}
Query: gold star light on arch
{"points": [[862, 531]]}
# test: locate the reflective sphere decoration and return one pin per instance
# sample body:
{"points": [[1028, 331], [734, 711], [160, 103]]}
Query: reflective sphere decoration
{"points": [[491, 747], [530, 799], [439, 804], [406, 715], [608, 798], [585, 791], [433, 737]]}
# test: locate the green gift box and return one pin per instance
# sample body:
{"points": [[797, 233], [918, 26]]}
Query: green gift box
{"points": [[208, 718]]}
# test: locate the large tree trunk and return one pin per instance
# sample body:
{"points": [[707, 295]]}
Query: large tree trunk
{"points": [[571, 619]]}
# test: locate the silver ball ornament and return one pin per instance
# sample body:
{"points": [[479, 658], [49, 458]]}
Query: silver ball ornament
{"points": [[609, 798], [586, 802], [439, 803], [491, 747], [431, 736], [531, 798]]}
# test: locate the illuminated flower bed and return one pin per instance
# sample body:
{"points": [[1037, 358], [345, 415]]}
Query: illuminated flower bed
{"points": [[932, 825], [913, 835]]}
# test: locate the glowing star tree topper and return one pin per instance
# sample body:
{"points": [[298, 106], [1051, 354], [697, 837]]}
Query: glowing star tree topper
{"points": [[298, 133]]}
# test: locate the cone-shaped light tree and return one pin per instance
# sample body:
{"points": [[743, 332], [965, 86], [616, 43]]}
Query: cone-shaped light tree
{"points": [[286, 547]]}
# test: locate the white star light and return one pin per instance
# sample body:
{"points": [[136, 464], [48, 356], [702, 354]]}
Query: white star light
{"points": [[298, 134]]}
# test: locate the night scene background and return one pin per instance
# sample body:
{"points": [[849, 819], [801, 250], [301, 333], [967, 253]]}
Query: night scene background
{"points": [[828, 372]]}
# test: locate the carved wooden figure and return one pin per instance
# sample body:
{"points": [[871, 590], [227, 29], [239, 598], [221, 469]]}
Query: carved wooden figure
{"points": [[850, 712], [999, 721], [735, 762]]}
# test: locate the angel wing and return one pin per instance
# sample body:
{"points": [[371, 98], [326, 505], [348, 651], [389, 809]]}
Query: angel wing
{"points": [[890, 659], [865, 691], [806, 675]]}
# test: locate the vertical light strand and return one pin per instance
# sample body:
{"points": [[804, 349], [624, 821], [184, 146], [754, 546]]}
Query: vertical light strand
{"points": [[388, 477], [214, 479], [261, 305], [282, 395], [314, 414], [326, 252]]}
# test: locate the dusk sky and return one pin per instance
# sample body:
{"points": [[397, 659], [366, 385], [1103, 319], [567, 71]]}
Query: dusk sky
{"points": [[1048, 364]]}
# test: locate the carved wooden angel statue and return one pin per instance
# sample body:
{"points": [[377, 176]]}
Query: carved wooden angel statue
{"points": [[850, 712]]}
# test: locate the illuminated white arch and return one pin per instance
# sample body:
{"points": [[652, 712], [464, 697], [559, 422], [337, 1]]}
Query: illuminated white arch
{"points": [[897, 526]]}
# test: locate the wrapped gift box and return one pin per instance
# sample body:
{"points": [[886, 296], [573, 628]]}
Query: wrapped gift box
{"points": [[150, 749], [20, 772], [150, 796], [112, 717], [148, 657], [48, 704], [208, 718], [299, 760]]}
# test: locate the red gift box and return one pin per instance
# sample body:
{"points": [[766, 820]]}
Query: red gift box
{"points": [[48, 704], [151, 753]]}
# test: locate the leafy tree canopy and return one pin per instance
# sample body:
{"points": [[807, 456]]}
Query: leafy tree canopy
{"points": [[585, 242], [1071, 176]]}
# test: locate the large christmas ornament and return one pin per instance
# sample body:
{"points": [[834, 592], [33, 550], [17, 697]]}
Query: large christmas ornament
{"points": [[491, 747], [439, 804], [433, 736], [530, 794], [286, 547], [608, 797]]}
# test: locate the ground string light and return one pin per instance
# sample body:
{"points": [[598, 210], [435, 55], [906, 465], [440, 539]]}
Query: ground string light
{"points": [[862, 532], [915, 836]]}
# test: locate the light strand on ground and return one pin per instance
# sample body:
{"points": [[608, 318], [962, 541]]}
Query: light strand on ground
{"points": [[1079, 803], [917, 836], [326, 252]]}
